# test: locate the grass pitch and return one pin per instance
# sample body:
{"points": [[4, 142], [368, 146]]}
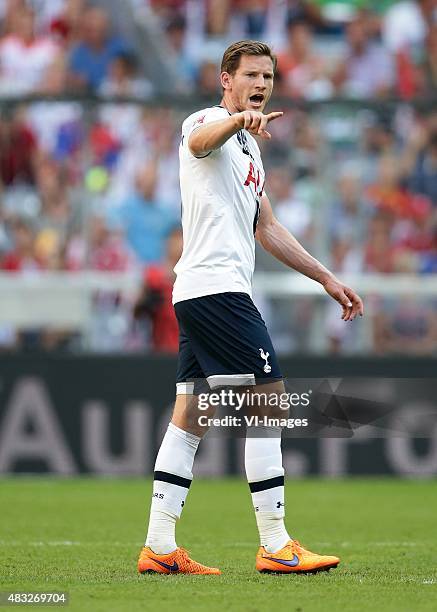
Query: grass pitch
{"points": [[83, 536]]}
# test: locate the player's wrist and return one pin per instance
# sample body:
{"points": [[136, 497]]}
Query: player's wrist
{"points": [[324, 277], [238, 120]]}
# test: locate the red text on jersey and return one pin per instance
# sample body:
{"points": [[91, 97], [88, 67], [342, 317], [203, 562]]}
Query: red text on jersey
{"points": [[255, 180]]}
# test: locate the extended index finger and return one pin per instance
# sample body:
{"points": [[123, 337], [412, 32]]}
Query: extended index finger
{"points": [[274, 115]]}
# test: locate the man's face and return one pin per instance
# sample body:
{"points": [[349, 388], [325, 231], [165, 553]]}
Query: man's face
{"points": [[357, 35], [300, 38], [95, 26], [250, 87], [24, 24]]}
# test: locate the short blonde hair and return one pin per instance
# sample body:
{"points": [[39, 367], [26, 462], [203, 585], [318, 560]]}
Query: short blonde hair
{"points": [[232, 55]]}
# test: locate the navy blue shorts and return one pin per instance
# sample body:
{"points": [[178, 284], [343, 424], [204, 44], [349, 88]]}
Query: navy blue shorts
{"points": [[223, 338]]}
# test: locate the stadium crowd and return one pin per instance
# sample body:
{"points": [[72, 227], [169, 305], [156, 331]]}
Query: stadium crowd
{"points": [[95, 187]]}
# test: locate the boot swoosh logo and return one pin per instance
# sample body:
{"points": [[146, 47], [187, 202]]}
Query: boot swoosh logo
{"points": [[289, 562], [171, 568]]}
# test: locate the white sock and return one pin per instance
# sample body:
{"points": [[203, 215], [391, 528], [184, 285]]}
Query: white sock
{"points": [[265, 474], [172, 480]]}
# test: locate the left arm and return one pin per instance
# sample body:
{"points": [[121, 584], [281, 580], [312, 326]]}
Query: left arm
{"points": [[278, 241]]}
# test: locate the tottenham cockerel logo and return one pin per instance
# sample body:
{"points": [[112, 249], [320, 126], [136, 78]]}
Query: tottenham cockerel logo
{"points": [[267, 368]]}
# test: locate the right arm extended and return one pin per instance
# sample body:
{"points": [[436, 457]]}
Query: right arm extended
{"points": [[213, 135]]}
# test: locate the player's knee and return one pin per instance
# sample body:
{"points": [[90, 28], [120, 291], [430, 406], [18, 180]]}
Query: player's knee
{"points": [[269, 400], [187, 413]]}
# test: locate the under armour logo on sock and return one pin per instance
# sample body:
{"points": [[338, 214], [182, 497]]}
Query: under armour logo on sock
{"points": [[279, 504]]}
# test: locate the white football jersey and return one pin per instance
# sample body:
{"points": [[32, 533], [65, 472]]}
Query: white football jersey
{"points": [[220, 207]]}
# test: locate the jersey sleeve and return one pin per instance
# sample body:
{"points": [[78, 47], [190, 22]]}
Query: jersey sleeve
{"points": [[201, 118]]}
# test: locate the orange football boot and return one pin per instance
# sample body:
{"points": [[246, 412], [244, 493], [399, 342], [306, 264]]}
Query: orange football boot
{"points": [[176, 562], [293, 559]]}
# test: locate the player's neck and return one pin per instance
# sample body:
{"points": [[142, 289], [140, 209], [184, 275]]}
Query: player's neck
{"points": [[227, 104]]}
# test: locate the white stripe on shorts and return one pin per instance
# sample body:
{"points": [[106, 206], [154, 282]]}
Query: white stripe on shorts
{"points": [[240, 380], [184, 388]]}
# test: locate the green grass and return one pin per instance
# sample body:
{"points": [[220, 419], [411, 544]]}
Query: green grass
{"points": [[83, 536]]}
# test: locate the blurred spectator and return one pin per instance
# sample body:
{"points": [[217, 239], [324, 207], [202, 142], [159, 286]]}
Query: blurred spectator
{"points": [[8, 11], [346, 255], [122, 121], [24, 57], [417, 232], [303, 73], [186, 65], [379, 252], [165, 152], [407, 32], [61, 209], [55, 79], [349, 212], [292, 212], [306, 10], [107, 252], [429, 64], [208, 83], [405, 24], [405, 326], [5, 243], [218, 17], [155, 301], [346, 258], [367, 70], [167, 8], [253, 14], [379, 136], [102, 247], [92, 55], [123, 79], [387, 193], [105, 147], [420, 160], [135, 129], [22, 257], [107, 249], [56, 125], [306, 145], [18, 149], [146, 223], [48, 249], [62, 19], [428, 261], [209, 21]]}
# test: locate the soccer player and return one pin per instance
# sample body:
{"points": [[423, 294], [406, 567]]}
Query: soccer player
{"points": [[223, 338]]}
